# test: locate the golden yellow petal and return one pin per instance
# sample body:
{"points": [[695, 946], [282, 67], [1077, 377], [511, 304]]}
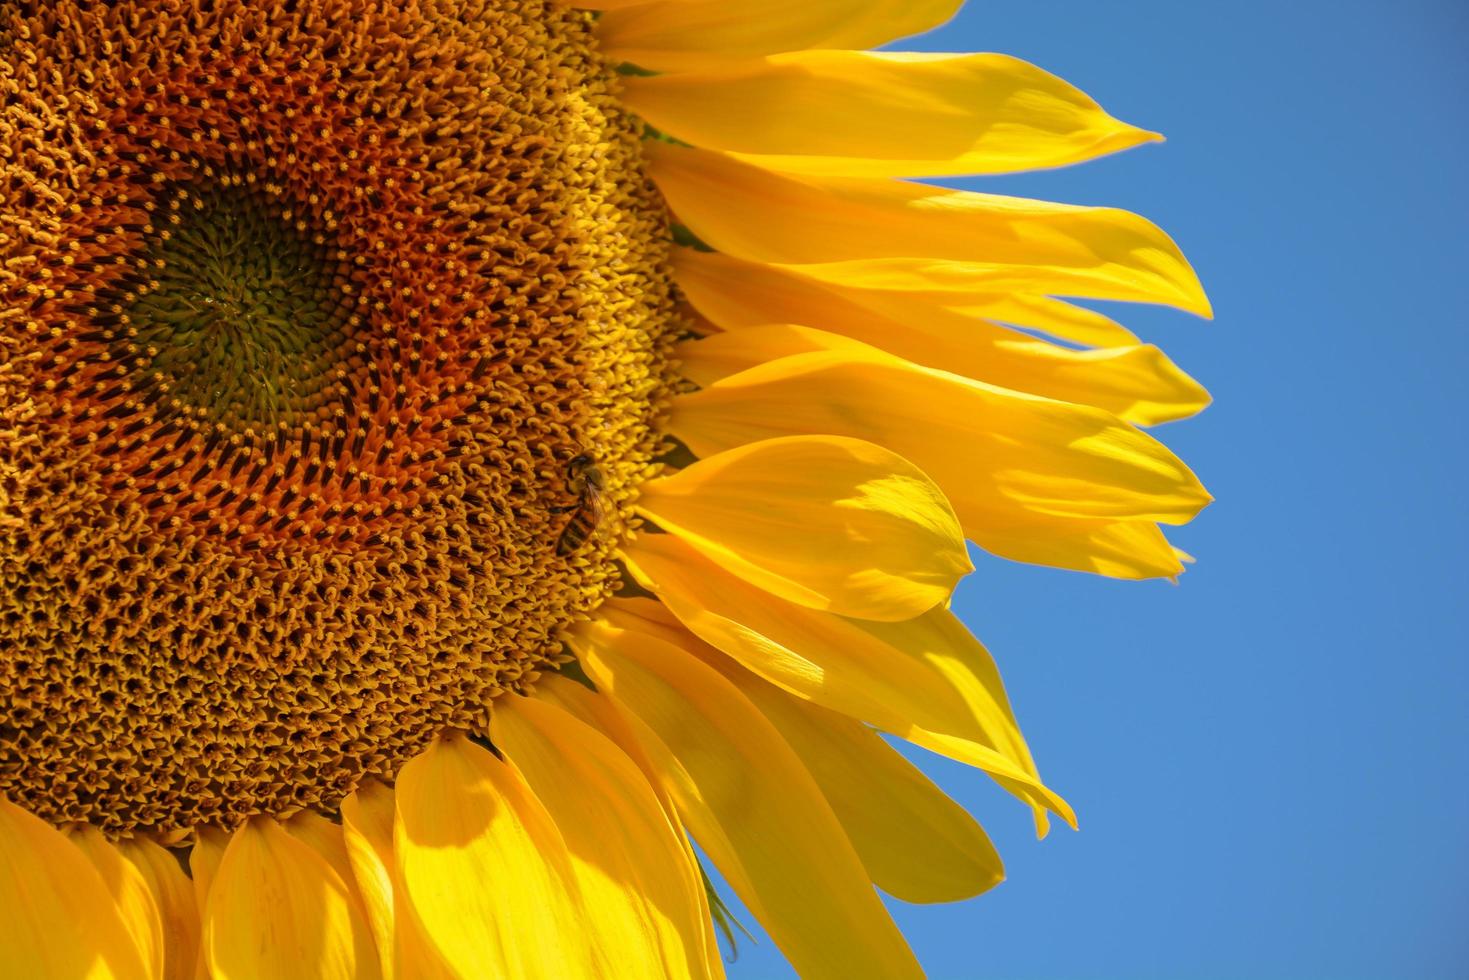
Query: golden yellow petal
{"points": [[482, 872], [130, 891], [639, 885], [825, 521], [1117, 549], [367, 831], [916, 843], [613, 723], [926, 680], [1043, 314], [325, 838], [278, 909], [1034, 247], [966, 286], [1036, 481], [58, 918], [604, 716], [622, 4], [1138, 384], [731, 293], [883, 114], [751, 805], [173, 894], [329, 841], [204, 857], [695, 33]]}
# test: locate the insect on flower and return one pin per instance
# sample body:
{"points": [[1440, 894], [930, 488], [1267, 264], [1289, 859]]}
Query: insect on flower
{"points": [[585, 482]]}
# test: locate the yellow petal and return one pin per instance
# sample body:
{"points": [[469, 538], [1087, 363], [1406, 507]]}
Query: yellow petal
{"points": [[621, 4], [173, 894], [825, 521], [329, 841], [1034, 247], [694, 33], [734, 293], [604, 716], [367, 831], [752, 806], [1043, 314], [639, 884], [926, 680], [961, 284], [204, 857], [58, 919], [277, 909], [1120, 549], [916, 843], [1031, 479], [325, 838], [482, 872], [130, 890], [888, 114], [1138, 384]]}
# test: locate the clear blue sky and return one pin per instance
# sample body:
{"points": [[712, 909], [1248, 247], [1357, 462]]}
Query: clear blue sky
{"points": [[1269, 761]]}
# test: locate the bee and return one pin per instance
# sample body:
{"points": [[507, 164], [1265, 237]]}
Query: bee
{"points": [[585, 482]]}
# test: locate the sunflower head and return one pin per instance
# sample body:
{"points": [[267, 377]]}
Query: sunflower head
{"points": [[309, 309], [454, 452]]}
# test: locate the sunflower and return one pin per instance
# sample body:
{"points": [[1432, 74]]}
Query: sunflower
{"points": [[453, 453]]}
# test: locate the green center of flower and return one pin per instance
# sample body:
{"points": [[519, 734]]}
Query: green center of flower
{"points": [[245, 311]]}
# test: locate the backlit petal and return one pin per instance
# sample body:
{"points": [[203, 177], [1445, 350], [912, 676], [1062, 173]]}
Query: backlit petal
{"points": [[178, 910], [752, 806], [611, 722], [367, 831], [883, 114], [1034, 480], [622, 4], [204, 857], [278, 909], [734, 293], [58, 919], [482, 871], [1023, 245], [693, 33], [603, 715], [916, 843], [329, 840], [639, 886], [1118, 549], [926, 680], [829, 522], [131, 893], [1138, 384], [325, 838]]}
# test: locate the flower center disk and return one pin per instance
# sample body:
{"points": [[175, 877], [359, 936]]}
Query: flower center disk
{"points": [[308, 311], [247, 319]]}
